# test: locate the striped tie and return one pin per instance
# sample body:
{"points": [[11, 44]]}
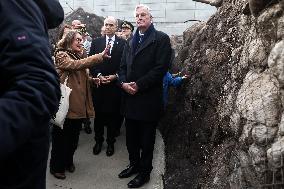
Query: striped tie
{"points": [[109, 45], [141, 38]]}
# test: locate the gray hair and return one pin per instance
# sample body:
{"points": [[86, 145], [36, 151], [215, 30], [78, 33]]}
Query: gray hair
{"points": [[112, 17], [142, 6]]}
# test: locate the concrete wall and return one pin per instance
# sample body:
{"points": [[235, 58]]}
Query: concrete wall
{"points": [[169, 15]]}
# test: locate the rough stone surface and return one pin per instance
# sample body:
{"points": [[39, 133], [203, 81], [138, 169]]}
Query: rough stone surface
{"points": [[281, 126], [258, 99], [275, 154], [276, 61], [263, 135], [225, 121]]}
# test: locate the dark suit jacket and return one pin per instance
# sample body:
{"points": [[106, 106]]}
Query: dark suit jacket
{"points": [[107, 98], [146, 66], [29, 92]]}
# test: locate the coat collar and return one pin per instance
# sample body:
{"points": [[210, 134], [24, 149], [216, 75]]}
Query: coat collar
{"points": [[148, 40], [149, 37], [116, 42]]}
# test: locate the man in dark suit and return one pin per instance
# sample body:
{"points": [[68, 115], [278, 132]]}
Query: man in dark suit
{"points": [[107, 97], [29, 92], [145, 61]]}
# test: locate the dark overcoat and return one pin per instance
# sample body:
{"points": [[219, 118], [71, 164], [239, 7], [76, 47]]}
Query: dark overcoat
{"points": [[107, 98], [29, 92], [146, 66]]}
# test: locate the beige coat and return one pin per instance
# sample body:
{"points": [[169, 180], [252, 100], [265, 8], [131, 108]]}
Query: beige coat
{"points": [[80, 102]]}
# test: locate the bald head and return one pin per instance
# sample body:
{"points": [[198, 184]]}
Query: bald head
{"points": [[75, 23]]}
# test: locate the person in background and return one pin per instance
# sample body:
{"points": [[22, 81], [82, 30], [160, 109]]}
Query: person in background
{"points": [[118, 32], [126, 30], [87, 43], [107, 96], [76, 24], [103, 31], [69, 63], [145, 61], [29, 92], [171, 80]]}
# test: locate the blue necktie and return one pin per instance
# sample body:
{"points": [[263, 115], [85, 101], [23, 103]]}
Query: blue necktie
{"points": [[141, 38]]}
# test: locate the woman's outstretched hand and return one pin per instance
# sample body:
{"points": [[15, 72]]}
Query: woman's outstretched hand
{"points": [[105, 52]]}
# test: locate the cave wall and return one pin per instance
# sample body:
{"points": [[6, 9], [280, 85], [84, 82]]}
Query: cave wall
{"points": [[224, 126]]}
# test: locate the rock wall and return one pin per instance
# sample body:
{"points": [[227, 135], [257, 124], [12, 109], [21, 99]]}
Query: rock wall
{"points": [[224, 128]]}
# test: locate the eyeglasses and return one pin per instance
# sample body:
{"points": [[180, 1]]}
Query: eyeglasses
{"points": [[79, 39]]}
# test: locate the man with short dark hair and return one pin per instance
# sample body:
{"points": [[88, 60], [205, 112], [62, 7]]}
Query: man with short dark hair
{"points": [[29, 92], [145, 61]]}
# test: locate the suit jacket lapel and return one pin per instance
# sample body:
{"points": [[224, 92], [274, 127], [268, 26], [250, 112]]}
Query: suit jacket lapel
{"points": [[115, 44]]}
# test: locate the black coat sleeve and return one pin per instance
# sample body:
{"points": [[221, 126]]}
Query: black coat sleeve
{"points": [[123, 65], [29, 92]]}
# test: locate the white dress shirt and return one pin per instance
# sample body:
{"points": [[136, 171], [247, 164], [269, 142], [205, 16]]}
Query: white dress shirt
{"points": [[111, 42]]}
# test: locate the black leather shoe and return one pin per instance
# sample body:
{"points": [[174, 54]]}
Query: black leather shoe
{"points": [[117, 133], [97, 148], [139, 180], [128, 172], [71, 168], [110, 150], [58, 175], [87, 128]]}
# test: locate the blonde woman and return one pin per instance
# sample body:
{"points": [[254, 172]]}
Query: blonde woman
{"points": [[69, 63]]}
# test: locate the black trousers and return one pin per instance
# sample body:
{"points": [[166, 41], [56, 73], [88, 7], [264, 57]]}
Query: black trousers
{"points": [[64, 144], [111, 121], [140, 141]]}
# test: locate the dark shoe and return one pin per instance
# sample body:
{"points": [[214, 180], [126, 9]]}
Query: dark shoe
{"points": [[117, 133], [71, 168], [128, 172], [97, 148], [139, 180], [87, 128], [110, 150], [58, 175]]}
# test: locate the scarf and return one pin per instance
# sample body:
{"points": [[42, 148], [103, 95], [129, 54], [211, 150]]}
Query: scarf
{"points": [[135, 40]]}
